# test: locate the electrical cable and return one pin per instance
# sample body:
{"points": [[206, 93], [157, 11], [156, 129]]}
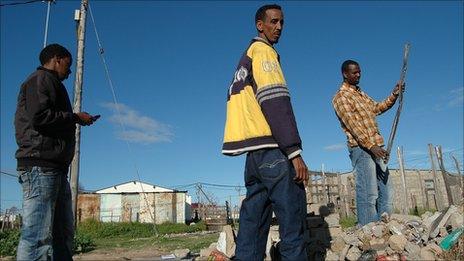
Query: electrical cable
{"points": [[21, 3], [116, 103]]}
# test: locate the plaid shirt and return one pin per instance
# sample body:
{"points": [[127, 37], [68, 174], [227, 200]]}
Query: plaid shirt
{"points": [[356, 112]]}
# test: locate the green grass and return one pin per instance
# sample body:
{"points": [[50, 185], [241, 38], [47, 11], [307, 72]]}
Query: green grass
{"points": [[162, 243], [419, 211], [98, 229], [140, 235], [8, 242], [347, 222]]}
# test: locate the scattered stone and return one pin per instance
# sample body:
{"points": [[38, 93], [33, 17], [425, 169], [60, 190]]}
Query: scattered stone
{"points": [[378, 244], [455, 220], [368, 255], [427, 255], [378, 230], [405, 218], [412, 249], [395, 228], [367, 229], [221, 243], [335, 231], [338, 244], [429, 220], [389, 251], [331, 256], [205, 252], [441, 221], [353, 254], [443, 232], [333, 220], [385, 218], [344, 252], [351, 239], [230, 242], [426, 215], [435, 248], [397, 242], [181, 253]]}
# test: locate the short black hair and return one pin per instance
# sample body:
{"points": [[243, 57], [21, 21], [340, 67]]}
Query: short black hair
{"points": [[261, 13], [346, 63], [51, 51]]}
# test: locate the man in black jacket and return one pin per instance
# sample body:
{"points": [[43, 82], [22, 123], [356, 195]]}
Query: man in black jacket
{"points": [[45, 133]]}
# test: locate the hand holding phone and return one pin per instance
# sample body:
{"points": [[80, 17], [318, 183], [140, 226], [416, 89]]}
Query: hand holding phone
{"points": [[96, 117]]}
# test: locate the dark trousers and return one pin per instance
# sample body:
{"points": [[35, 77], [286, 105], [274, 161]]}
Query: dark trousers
{"points": [[270, 187]]}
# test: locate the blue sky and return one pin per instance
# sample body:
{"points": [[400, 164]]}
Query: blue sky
{"points": [[172, 62]]}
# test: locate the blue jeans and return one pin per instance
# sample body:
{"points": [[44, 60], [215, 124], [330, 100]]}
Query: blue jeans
{"points": [[373, 186], [47, 231], [270, 187]]}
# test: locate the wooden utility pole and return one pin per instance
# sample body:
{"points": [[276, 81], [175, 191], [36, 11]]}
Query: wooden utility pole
{"points": [[324, 188], [460, 176], [423, 192], [77, 102], [405, 210], [449, 194], [438, 195]]}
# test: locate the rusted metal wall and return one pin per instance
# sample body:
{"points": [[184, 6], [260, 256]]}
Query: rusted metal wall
{"points": [[88, 207], [146, 212], [163, 206], [111, 208], [170, 207], [130, 207], [158, 207]]}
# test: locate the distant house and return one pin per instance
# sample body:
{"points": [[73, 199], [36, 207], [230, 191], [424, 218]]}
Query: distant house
{"points": [[135, 201]]}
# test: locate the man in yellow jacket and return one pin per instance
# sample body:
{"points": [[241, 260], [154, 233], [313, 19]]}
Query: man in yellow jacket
{"points": [[261, 123]]}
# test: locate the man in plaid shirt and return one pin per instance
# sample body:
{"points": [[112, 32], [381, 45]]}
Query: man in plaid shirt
{"points": [[356, 112]]}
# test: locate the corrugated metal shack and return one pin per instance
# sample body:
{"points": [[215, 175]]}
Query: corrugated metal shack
{"points": [[135, 201]]}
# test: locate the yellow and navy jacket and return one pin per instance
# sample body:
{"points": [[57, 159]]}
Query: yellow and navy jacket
{"points": [[259, 112]]}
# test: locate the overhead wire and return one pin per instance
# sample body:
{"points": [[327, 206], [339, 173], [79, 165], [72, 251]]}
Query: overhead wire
{"points": [[115, 100], [8, 174], [21, 3]]}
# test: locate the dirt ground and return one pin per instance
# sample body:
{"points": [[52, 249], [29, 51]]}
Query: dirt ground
{"points": [[148, 253]]}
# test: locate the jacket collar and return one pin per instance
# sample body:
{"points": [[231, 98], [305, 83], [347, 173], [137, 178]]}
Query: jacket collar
{"points": [[350, 88], [49, 71], [257, 38]]}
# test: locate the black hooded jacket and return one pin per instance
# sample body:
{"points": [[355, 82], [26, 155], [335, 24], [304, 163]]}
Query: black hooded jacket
{"points": [[44, 122]]}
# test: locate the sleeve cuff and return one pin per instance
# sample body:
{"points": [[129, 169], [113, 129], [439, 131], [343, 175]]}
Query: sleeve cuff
{"points": [[75, 118], [294, 154]]}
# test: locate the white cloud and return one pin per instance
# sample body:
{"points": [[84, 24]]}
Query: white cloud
{"points": [[456, 97], [335, 147], [138, 128]]}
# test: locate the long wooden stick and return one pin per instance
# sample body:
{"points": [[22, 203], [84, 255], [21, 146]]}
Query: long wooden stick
{"points": [[400, 101]]}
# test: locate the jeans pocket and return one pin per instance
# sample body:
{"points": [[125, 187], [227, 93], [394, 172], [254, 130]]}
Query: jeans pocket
{"points": [[273, 169], [30, 184]]}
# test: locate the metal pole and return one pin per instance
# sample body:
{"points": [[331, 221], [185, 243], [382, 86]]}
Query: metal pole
{"points": [[449, 194], [403, 180], [46, 22], [77, 104], [438, 195]]}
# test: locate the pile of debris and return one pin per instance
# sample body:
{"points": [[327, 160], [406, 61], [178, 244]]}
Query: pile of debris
{"points": [[398, 237], [395, 237]]}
